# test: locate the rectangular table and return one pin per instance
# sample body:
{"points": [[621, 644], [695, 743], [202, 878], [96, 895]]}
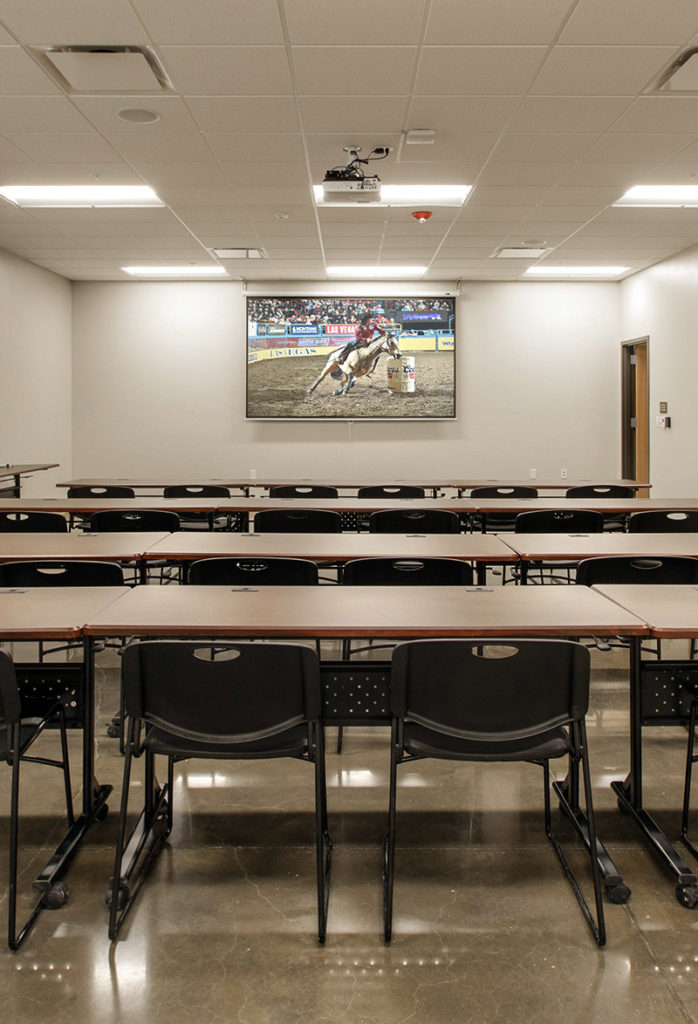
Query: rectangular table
{"points": [[671, 612], [16, 472], [402, 612], [333, 547], [44, 613], [609, 506]]}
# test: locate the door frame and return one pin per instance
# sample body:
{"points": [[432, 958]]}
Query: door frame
{"points": [[635, 439]]}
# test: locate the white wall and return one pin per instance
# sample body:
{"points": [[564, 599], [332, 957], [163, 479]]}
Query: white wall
{"points": [[662, 302], [158, 386], [35, 384]]}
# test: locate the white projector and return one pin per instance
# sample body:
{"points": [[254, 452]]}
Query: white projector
{"points": [[352, 190]]}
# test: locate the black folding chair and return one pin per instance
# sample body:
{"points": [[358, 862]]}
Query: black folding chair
{"points": [[297, 520], [18, 731], [203, 520], [390, 491], [33, 522], [189, 699], [94, 491], [557, 520], [664, 521], [498, 522], [484, 700], [303, 491], [414, 520]]}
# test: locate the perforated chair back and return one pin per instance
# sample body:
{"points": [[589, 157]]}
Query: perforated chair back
{"points": [[297, 520], [414, 520], [108, 491], [303, 491], [61, 574], [134, 521], [664, 521], [599, 491], [407, 572], [253, 572], [390, 491], [559, 520], [32, 522], [627, 569], [515, 491], [196, 491]]}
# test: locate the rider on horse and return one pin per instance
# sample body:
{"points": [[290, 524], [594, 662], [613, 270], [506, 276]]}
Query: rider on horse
{"points": [[365, 332]]}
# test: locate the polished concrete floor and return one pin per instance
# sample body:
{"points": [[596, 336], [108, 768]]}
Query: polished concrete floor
{"points": [[486, 928]]}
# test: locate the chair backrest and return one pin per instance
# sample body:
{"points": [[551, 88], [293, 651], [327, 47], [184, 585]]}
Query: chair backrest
{"points": [[503, 690], [626, 569], [559, 520], [196, 491], [221, 693], [599, 491], [74, 573], [253, 572], [407, 572], [391, 491], [518, 491], [297, 520], [303, 491], [33, 522], [10, 701], [108, 491], [134, 520], [664, 521], [414, 520]]}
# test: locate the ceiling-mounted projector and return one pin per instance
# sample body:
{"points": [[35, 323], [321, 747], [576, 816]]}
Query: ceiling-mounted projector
{"points": [[343, 189]]}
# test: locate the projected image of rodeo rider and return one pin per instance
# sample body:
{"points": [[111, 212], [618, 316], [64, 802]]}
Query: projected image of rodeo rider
{"points": [[367, 329]]}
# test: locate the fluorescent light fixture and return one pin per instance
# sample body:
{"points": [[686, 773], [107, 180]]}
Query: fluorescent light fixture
{"points": [[543, 271], [212, 270], [660, 195], [81, 195], [238, 254], [376, 271], [405, 195]]}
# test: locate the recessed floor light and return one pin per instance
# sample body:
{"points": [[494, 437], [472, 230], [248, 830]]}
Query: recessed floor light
{"points": [[194, 271], [80, 195]]}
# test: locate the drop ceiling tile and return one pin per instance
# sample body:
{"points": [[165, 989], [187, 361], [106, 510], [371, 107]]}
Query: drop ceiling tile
{"points": [[160, 146], [261, 216], [244, 113], [600, 70], [101, 112], [475, 213], [173, 175], [284, 253], [484, 195], [477, 70], [647, 147], [20, 76], [537, 147], [270, 147], [367, 71], [5, 38], [452, 145], [66, 173], [272, 174], [27, 173], [453, 172], [317, 23], [10, 153], [564, 195], [211, 22], [263, 196], [525, 174], [631, 21], [76, 147], [616, 175], [480, 22], [351, 114], [39, 114], [107, 242], [64, 21], [182, 195], [673, 173], [464, 114], [659, 114], [568, 113], [185, 254], [228, 70]]}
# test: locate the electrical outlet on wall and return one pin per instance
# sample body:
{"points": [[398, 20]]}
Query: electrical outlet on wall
{"points": [[563, 474], [532, 474]]}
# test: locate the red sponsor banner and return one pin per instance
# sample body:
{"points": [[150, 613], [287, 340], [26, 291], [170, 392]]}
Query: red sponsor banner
{"points": [[340, 328]]}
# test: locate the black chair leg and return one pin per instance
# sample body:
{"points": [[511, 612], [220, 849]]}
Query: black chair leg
{"points": [[323, 843], [389, 848], [690, 761]]}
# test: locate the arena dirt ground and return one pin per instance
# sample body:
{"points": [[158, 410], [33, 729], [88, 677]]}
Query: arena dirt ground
{"points": [[277, 388]]}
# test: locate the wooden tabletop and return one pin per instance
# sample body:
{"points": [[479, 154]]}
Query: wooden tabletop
{"points": [[515, 505], [44, 613], [117, 547], [335, 547], [236, 503], [568, 547], [670, 611], [20, 469], [79, 506], [335, 611]]}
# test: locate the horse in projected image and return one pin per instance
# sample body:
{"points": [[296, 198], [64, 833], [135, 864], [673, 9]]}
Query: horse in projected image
{"points": [[359, 363]]}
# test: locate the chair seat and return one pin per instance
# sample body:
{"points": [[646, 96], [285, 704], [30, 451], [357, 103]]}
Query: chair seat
{"points": [[422, 742], [292, 742]]}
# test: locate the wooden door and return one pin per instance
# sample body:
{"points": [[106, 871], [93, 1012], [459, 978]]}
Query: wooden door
{"points": [[635, 411]]}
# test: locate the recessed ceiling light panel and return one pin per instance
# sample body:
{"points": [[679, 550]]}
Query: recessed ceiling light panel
{"points": [[80, 195], [392, 272], [404, 195], [575, 272], [210, 270], [660, 195]]}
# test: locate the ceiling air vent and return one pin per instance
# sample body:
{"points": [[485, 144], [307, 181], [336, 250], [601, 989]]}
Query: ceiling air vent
{"points": [[104, 69], [519, 252]]}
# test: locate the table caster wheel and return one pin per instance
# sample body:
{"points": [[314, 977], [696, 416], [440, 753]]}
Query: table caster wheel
{"points": [[687, 895], [113, 731], [102, 812], [122, 896], [618, 893], [55, 897]]}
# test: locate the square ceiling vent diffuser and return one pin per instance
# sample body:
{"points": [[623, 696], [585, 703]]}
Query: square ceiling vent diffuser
{"points": [[104, 69]]}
